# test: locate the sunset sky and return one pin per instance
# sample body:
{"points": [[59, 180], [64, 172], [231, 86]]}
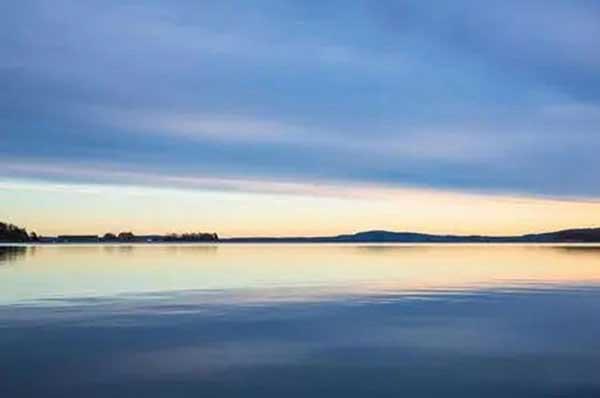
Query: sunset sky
{"points": [[299, 117]]}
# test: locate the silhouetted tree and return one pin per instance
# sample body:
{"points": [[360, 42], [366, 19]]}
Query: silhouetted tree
{"points": [[192, 237], [109, 236], [126, 236], [12, 233]]}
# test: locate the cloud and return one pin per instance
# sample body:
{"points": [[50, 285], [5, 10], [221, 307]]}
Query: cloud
{"points": [[450, 142], [501, 96], [197, 125], [541, 44]]}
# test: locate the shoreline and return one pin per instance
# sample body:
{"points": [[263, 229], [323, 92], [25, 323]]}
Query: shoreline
{"points": [[224, 242]]}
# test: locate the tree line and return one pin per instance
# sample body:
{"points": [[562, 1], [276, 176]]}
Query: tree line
{"points": [[12, 233], [186, 237]]}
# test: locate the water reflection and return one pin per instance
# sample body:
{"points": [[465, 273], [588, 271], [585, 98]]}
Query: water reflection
{"points": [[578, 249], [301, 320], [11, 253], [72, 271]]}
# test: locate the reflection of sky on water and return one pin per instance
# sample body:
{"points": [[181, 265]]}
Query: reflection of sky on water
{"points": [[466, 321], [35, 274]]}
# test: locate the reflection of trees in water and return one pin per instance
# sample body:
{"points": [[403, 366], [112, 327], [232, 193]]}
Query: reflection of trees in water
{"points": [[11, 253], [169, 248], [201, 249], [190, 248], [125, 249], [118, 249]]}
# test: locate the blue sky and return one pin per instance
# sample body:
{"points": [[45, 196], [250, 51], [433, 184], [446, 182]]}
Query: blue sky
{"points": [[495, 97]]}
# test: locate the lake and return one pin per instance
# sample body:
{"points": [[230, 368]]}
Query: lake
{"points": [[300, 320]]}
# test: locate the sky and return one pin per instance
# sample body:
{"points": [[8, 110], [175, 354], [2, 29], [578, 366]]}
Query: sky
{"points": [[299, 117]]}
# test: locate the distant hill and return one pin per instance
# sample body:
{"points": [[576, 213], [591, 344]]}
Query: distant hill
{"points": [[584, 235]]}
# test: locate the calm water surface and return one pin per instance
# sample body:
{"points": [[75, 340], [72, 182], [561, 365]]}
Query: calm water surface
{"points": [[300, 321]]}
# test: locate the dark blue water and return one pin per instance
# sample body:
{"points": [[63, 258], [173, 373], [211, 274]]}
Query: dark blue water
{"points": [[255, 321]]}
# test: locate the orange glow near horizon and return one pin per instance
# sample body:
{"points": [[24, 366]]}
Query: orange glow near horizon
{"points": [[282, 210]]}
